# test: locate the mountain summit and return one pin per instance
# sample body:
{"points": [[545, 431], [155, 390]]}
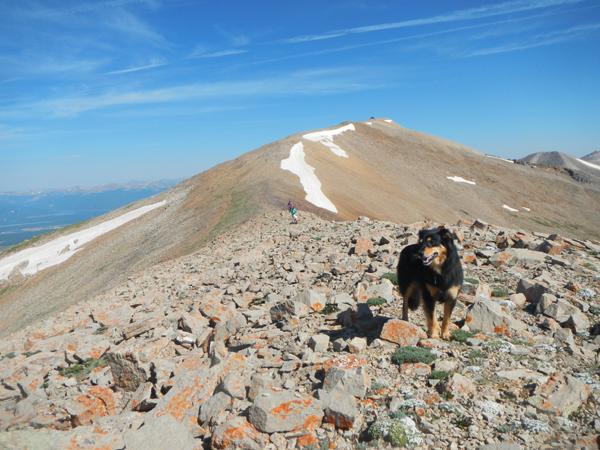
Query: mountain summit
{"points": [[373, 168]]}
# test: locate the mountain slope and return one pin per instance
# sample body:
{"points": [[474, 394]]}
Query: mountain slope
{"points": [[593, 158], [389, 173]]}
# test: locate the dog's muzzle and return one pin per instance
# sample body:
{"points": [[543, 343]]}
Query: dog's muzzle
{"points": [[428, 259]]}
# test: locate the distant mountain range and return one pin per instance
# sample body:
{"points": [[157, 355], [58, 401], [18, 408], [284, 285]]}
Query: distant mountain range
{"points": [[26, 214], [589, 164]]}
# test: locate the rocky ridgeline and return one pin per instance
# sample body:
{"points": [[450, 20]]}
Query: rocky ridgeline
{"points": [[280, 336]]}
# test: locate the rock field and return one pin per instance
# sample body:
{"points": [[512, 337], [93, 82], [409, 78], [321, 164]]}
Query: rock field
{"points": [[281, 336]]}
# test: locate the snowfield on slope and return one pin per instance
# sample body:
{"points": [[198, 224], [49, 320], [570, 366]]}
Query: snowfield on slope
{"points": [[311, 184], [298, 166], [593, 166], [326, 138], [32, 260]]}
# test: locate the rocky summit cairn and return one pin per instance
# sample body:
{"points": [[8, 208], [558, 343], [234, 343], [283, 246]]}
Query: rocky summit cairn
{"points": [[280, 336]]}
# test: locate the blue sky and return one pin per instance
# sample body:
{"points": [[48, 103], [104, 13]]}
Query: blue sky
{"points": [[97, 92]]}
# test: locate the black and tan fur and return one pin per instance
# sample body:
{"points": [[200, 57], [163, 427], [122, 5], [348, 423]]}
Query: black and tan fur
{"points": [[430, 272]]}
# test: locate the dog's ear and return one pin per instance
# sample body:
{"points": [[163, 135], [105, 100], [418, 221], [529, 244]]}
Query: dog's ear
{"points": [[446, 234]]}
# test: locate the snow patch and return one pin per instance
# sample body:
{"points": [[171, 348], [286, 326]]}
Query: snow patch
{"points": [[369, 123], [594, 166], [326, 138], [388, 120], [501, 159], [526, 209], [312, 186], [509, 208], [35, 259], [460, 180]]}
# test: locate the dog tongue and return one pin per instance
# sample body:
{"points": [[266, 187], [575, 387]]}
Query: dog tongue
{"points": [[427, 260]]}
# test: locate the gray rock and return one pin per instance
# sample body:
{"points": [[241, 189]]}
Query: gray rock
{"points": [[141, 399], [488, 317], [556, 308], [283, 411], [501, 446], [313, 299], [288, 308], [532, 290], [162, 433], [259, 383], [233, 385], [343, 301], [351, 381], [339, 408], [357, 344], [446, 365], [564, 335], [339, 345], [128, 372], [214, 405], [518, 257], [544, 302], [319, 342], [577, 322], [560, 395]]}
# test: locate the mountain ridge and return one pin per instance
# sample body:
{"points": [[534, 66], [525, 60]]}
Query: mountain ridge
{"points": [[390, 174]]}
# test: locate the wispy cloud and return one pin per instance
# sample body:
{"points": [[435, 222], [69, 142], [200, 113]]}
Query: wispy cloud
{"points": [[9, 133], [466, 14], [202, 54], [554, 37], [127, 23], [308, 82], [137, 69]]}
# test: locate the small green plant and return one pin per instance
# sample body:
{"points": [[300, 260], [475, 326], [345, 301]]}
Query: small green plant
{"points": [[447, 395], [10, 355], [375, 386], [398, 414], [100, 330], [471, 281], [461, 335], [511, 428], [393, 277], [499, 293], [259, 300], [439, 374], [390, 430], [79, 371], [464, 422], [376, 301], [590, 266], [44, 386], [406, 355], [72, 370], [476, 354], [329, 309], [28, 354], [324, 444]]}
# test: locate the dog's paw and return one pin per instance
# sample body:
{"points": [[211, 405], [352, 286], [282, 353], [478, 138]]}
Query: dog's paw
{"points": [[446, 335]]}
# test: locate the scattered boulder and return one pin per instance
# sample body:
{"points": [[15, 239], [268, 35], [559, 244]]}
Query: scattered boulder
{"points": [[285, 411]]}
